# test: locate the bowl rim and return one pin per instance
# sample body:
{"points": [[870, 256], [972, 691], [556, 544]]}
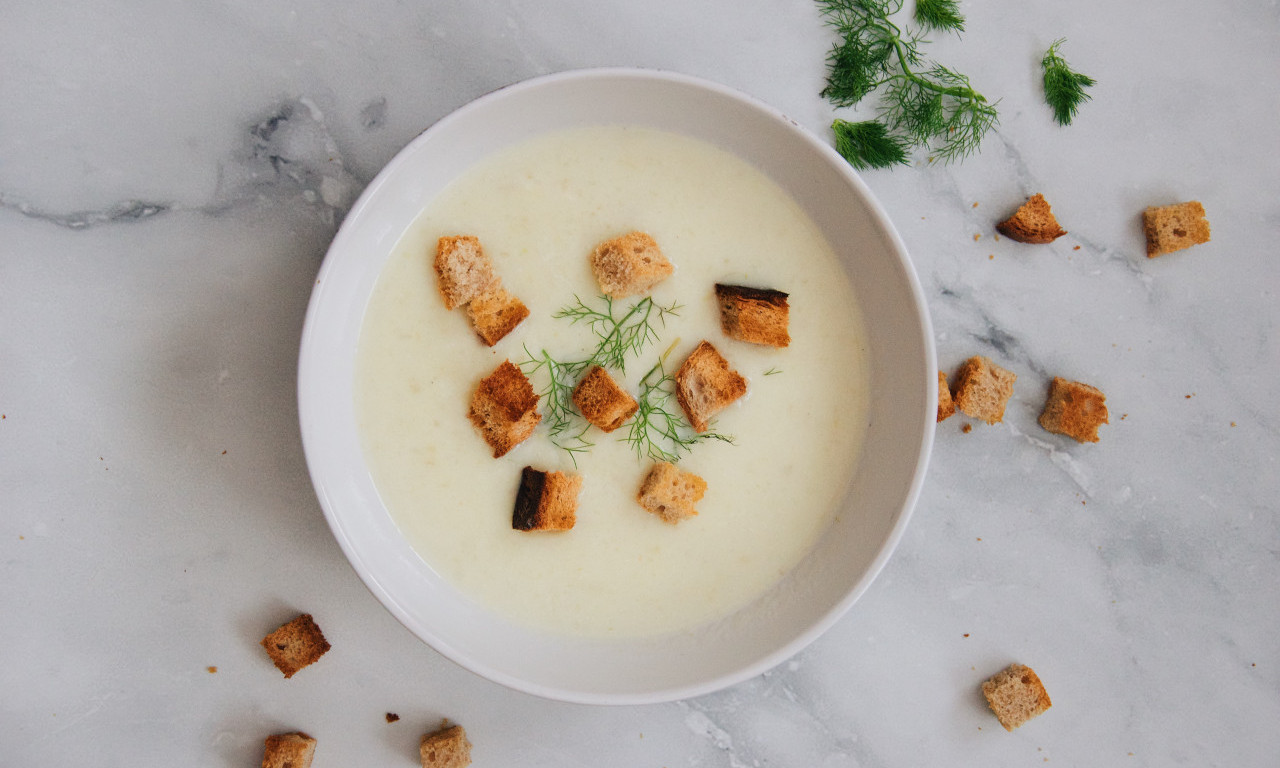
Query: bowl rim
{"points": [[766, 661]]}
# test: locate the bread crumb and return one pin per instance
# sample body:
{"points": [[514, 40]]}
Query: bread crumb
{"points": [[967, 428], [602, 401], [392, 717], [706, 385], [1076, 248], [212, 670], [966, 634], [504, 408], [946, 406], [630, 264], [463, 270], [670, 493], [445, 748], [546, 501], [1015, 695], [977, 236], [295, 645], [1075, 410], [754, 315], [288, 750], [1032, 223], [975, 205], [983, 388], [1232, 423], [1172, 228]]}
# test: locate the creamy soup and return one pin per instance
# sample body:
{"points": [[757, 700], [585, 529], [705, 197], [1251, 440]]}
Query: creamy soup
{"points": [[539, 208]]}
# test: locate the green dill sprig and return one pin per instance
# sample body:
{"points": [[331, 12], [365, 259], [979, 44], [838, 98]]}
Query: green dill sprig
{"points": [[566, 427], [940, 15], [772, 371], [1063, 88], [622, 336], [923, 103], [659, 431]]}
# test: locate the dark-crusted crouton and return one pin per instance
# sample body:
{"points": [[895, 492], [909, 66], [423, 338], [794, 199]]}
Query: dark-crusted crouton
{"points": [[1174, 227], [629, 264], [983, 388], [495, 313], [296, 645], [546, 501], [706, 385], [670, 493], [289, 750], [755, 315], [1075, 410], [505, 408], [1015, 694], [446, 748], [602, 402], [946, 406], [1032, 223], [464, 269]]}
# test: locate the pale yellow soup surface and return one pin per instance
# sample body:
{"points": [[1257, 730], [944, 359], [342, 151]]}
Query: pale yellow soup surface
{"points": [[539, 208]]}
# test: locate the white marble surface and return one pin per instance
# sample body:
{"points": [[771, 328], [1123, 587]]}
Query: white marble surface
{"points": [[158, 241]]}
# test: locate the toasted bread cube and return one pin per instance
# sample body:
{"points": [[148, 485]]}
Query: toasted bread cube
{"points": [[546, 501], [1032, 223], [946, 406], [504, 408], [706, 385], [754, 315], [288, 750], [983, 388], [1015, 695], [1174, 227], [602, 402], [465, 271], [446, 748], [295, 645], [1075, 410], [670, 493], [629, 264], [495, 313]]}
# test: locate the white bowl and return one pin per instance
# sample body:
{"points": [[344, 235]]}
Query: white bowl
{"points": [[887, 480]]}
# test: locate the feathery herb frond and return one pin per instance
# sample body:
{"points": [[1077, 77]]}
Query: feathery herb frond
{"points": [[658, 430], [1064, 89], [940, 15], [868, 144], [566, 428], [619, 336]]}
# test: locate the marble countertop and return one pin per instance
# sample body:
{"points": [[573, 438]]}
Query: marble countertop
{"points": [[159, 236]]}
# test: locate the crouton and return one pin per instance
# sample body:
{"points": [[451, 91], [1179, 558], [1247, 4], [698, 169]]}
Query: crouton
{"points": [[1015, 694], [706, 385], [602, 402], [495, 313], [446, 748], [1174, 227], [465, 271], [982, 389], [1032, 223], [946, 406], [755, 315], [629, 264], [1075, 410], [288, 750], [295, 645], [670, 493], [546, 501], [505, 408]]}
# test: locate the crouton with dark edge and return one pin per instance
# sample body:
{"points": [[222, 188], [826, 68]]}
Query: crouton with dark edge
{"points": [[706, 385], [295, 645], [289, 750], [504, 408], [671, 493], [1032, 223], [602, 402], [1075, 410], [446, 748], [1015, 694], [629, 265], [495, 313], [946, 406], [1172, 228], [754, 315], [464, 270], [546, 501], [982, 389]]}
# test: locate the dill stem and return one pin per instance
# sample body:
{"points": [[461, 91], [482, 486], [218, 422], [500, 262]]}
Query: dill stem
{"points": [[955, 90], [647, 303]]}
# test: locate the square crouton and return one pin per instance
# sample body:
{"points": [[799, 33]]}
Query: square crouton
{"points": [[446, 748], [289, 750], [1032, 223], [982, 389], [504, 408], [1075, 410], [495, 313], [602, 402], [465, 271], [295, 645], [670, 493], [706, 385], [755, 315], [1174, 227], [946, 406], [629, 264], [1015, 695], [546, 501]]}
